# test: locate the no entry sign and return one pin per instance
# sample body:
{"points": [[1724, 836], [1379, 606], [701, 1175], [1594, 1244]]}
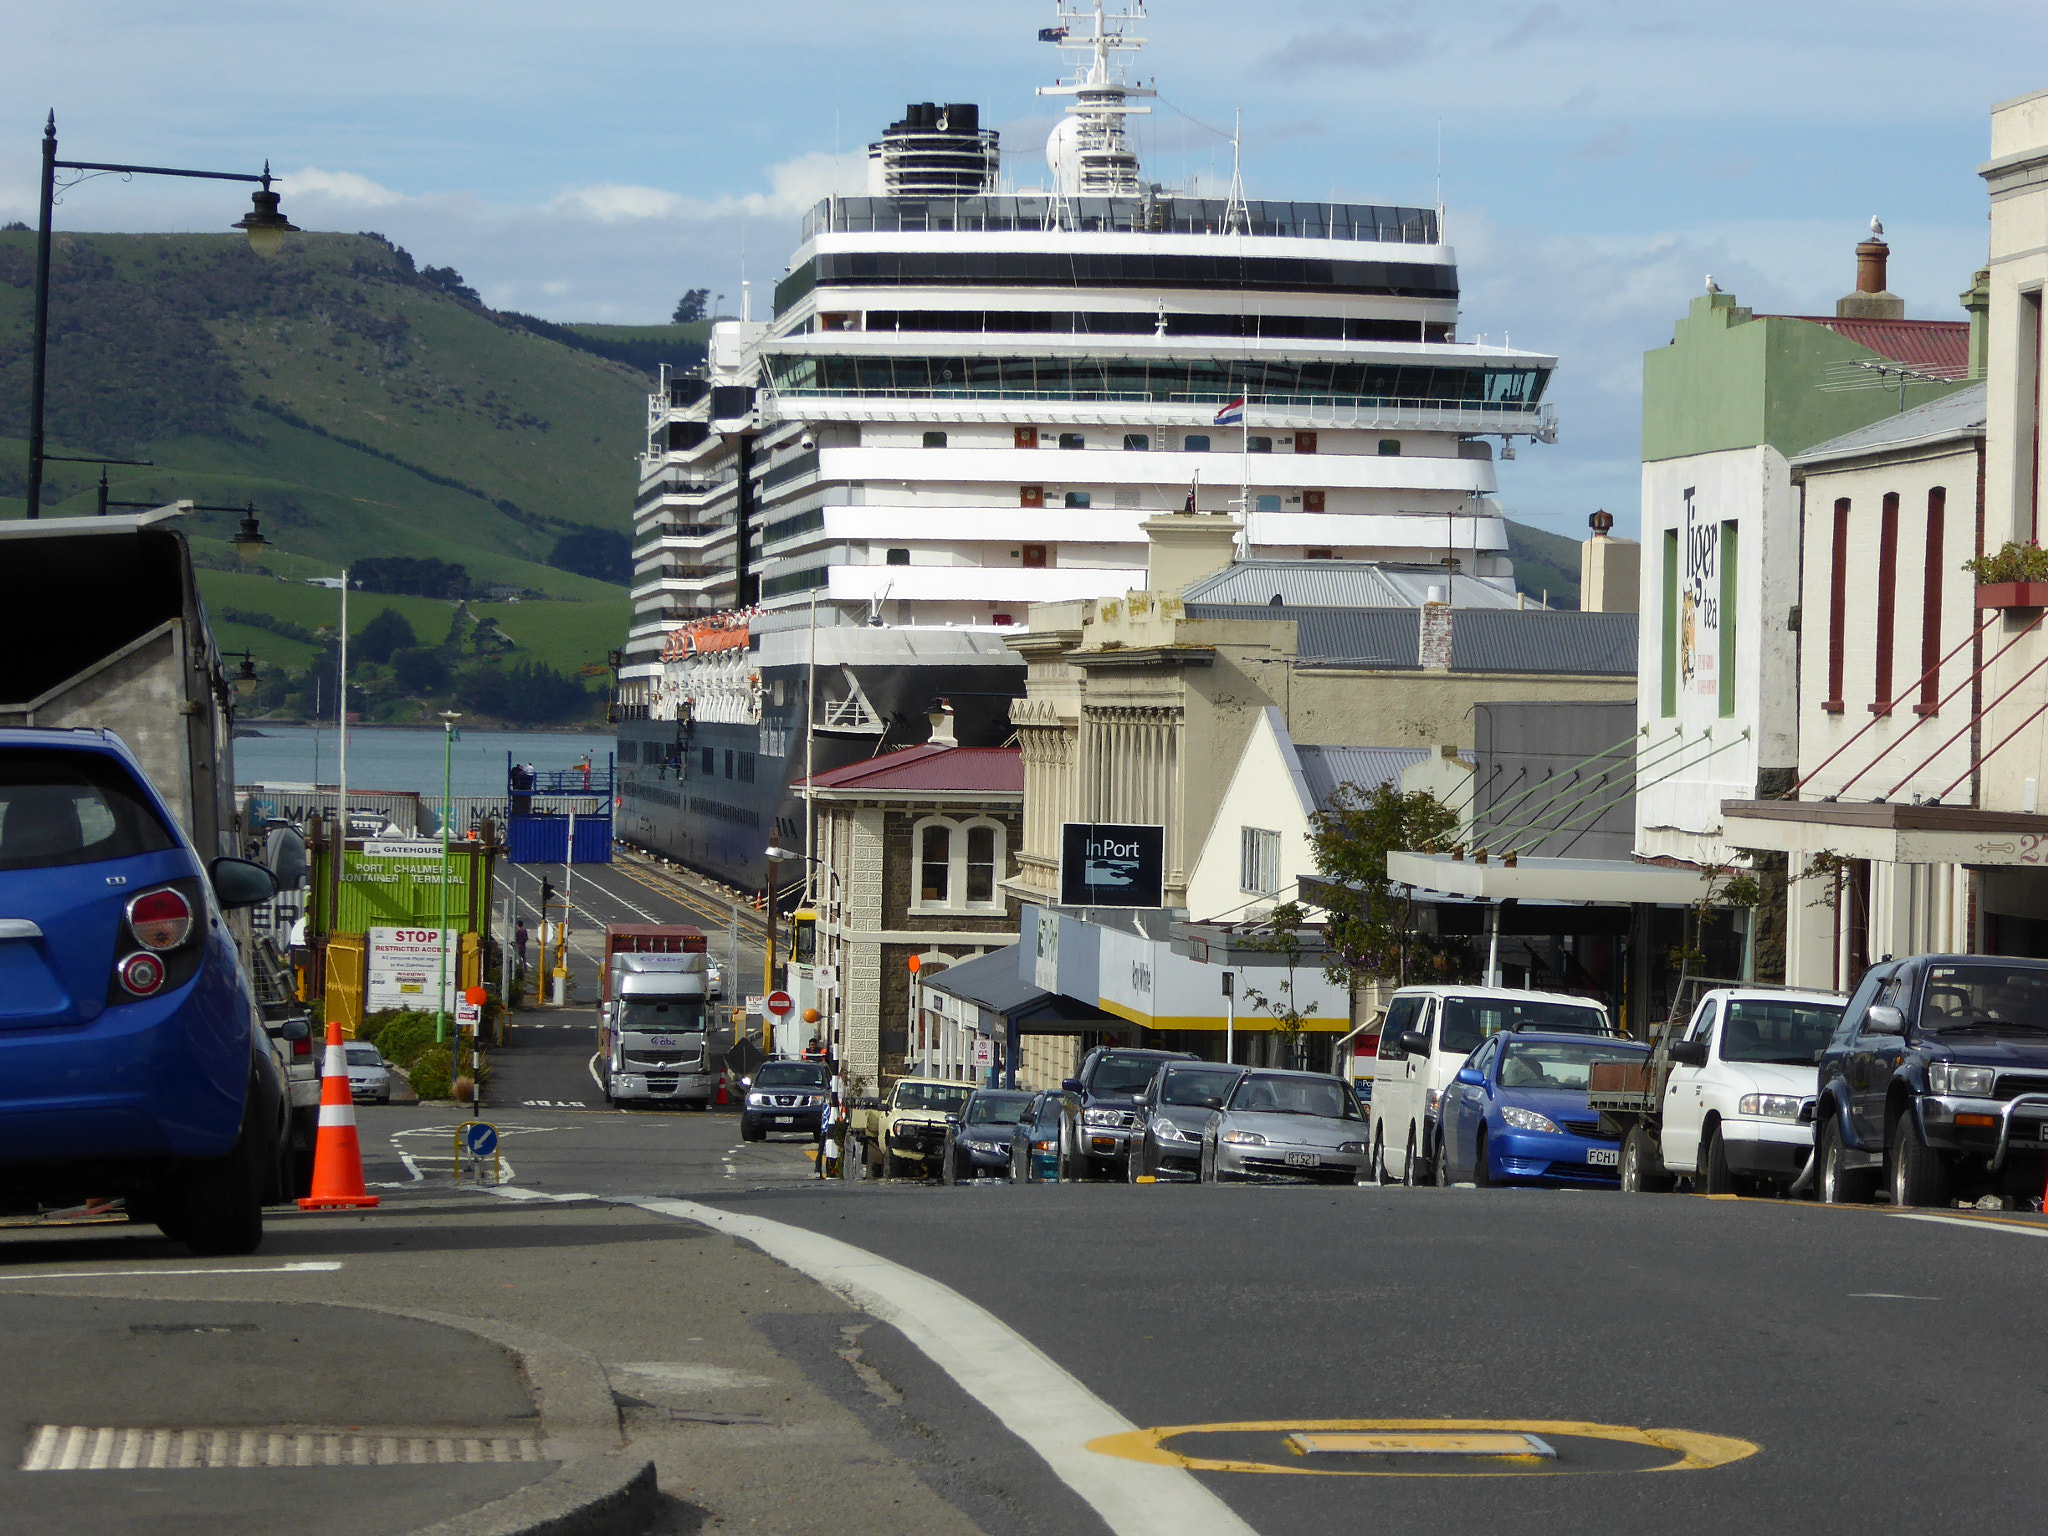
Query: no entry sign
{"points": [[779, 1004]]}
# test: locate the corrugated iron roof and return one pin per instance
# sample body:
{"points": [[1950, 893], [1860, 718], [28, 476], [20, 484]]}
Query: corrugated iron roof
{"points": [[1482, 639], [1940, 346], [1341, 584], [1324, 768], [1961, 414], [989, 770], [991, 980]]}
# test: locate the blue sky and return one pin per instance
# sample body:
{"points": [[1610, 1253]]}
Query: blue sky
{"points": [[590, 162]]}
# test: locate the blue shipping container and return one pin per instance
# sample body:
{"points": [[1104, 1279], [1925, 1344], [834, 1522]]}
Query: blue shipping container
{"points": [[544, 839]]}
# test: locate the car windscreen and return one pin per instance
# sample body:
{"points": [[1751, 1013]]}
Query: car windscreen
{"points": [[791, 1074], [997, 1108], [1988, 998], [944, 1098], [1469, 1020], [61, 808], [1051, 1110], [1193, 1088], [1122, 1074], [657, 1016], [1559, 1063], [1263, 1093], [364, 1055], [1775, 1030]]}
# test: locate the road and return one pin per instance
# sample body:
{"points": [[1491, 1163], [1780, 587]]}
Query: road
{"points": [[1848, 1368]]}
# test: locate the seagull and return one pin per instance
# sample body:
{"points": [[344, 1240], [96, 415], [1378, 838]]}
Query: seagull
{"points": [[1876, 229], [1712, 286]]}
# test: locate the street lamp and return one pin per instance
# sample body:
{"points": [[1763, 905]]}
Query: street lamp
{"points": [[264, 225], [448, 719], [245, 680]]}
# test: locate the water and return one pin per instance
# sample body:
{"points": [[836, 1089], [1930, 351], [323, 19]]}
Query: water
{"points": [[381, 757]]}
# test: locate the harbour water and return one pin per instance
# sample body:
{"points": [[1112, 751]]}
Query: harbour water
{"points": [[380, 757]]}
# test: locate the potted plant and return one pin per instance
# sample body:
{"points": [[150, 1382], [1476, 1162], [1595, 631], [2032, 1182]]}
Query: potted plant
{"points": [[2015, 577]]}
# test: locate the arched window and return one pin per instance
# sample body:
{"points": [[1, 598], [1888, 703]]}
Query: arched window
{"points": [[934, 863], [959, 864]]}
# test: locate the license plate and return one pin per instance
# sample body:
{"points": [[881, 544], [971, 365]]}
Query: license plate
{"points": [[2044, 1130], [785, 1119], [1304, 1160], [1598, 1157]]}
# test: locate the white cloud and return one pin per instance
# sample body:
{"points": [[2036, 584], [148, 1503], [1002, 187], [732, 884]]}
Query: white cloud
{"points": [[338, 187], [609, 203]]}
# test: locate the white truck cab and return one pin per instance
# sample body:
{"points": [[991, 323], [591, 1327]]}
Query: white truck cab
{"points": [[1425, 1037], [651, 1034]]}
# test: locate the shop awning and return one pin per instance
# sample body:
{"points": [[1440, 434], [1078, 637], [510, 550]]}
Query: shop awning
{"points": [[1604, 881], [1886, 833]]}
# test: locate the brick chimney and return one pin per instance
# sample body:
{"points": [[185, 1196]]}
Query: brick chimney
{"points": [[1871, 300], [1434, 641]]}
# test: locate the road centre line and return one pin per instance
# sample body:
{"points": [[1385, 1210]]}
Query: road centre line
{"points": [[1036, 1399], [301, 1268]]}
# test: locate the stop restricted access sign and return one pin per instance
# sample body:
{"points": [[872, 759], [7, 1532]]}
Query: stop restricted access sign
{"points": [[780, 1004]]}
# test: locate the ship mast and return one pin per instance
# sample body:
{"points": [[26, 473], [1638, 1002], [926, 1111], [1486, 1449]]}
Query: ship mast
{"points": [[1090, 151]]}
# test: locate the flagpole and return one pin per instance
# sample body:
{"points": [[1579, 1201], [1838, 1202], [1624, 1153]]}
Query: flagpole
{"points": [[1244, 530]]}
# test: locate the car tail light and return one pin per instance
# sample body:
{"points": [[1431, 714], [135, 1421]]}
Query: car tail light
{"points": [[141, 974], [160, 919], [303, 1047]]}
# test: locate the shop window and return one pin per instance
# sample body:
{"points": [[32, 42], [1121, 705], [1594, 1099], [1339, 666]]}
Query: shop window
{"points": [[1030, 495], [1314, 501], [1195, 442], [1305, 442], [1137, 442], [1024, 437], [1077, 498], [897, 557], [1258, 445], [1390, 447], [935, 439]]}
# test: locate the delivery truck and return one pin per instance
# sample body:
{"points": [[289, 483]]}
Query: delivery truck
{"points": [[654, 1028]]}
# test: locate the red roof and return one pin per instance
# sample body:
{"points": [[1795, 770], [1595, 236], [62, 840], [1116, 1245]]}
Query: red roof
{"points": [[989, 770], [1941, 347]]}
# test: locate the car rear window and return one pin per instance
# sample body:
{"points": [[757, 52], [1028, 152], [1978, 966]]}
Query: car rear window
{"points": [[1469, 1020], [60, 808]]}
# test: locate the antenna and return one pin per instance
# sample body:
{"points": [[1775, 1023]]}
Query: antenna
{"points": [[1237, 219], [1439, 180], [1866, 373]]}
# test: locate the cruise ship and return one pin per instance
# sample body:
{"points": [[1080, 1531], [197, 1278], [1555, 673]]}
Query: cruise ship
{"points": [[969, 396]]}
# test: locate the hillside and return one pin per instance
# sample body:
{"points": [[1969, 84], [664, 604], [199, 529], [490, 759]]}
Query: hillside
{"points": [[1545, 563], [368, 409]]}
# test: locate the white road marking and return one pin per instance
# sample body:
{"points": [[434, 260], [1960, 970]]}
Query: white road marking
{"points": [[593, 1071], [508, 1193], [1036, 1399], [1975, 1225], [148, 1274]]}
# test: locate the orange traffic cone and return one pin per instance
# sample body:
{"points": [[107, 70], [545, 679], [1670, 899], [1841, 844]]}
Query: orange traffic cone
{"points": [[721, 1099], [337, 1158]]}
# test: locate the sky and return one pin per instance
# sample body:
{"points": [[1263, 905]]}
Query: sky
{"points": [[1599, 158]]}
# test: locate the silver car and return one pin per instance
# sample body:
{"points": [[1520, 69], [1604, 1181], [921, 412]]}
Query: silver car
{"points": [[1176, 1108], [369, 1080], [1286, 1125]]}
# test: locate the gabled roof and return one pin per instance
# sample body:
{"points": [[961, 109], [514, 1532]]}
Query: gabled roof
{"points": [[981, 770], [1324, 768], [1961, 414], [1341, 584]]}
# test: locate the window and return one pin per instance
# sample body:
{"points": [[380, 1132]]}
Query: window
{"points": [[1402, 1014], [1728, 630], [1077, 498], [1258, 445], [1195, 442], [1137, 442], [958, 864], [1390, 447], [728, 762], [1265, 503], [935, 439], [1304, 442], [709, 759], [896, 557], [981, 864], [1258, 861], [746, 766], [1667, 690], [1030, 495], [934, 863], [1024, 437], [1887, 594], [63, 808], [1930, 604], [1838, 607], [1073, 440], [1314, 501], [1318, 554]]}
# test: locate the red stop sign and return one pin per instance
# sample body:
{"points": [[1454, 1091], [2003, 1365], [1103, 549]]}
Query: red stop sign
{"points": [[779, 1004]]}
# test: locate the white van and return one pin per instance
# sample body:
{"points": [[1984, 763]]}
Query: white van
{"points": [[1425, 1037]]}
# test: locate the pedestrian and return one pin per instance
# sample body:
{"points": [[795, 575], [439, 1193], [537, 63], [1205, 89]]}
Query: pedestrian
{"points": [[519, 943]]}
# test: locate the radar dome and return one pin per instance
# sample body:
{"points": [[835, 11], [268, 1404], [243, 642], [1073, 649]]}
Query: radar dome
{"points": [[1063, 154]]}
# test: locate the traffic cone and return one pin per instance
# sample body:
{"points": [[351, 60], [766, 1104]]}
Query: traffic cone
{"points": [[337, 1158], [721, 1099]]}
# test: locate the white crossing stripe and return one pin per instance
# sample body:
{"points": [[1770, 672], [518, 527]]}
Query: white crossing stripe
{"points": [[98, 1448]]}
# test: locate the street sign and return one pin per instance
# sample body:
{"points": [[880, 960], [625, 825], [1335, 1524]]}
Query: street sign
{"points": [[984, 1052], [479, 1138], [1111, 865], [756, 1003], [779, 1004], [468, 1016]]}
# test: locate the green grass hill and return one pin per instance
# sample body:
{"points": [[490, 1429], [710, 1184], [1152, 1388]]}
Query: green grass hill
{"points": [[368, 409]]}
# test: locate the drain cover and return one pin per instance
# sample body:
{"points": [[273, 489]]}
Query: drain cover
{"points": [[1454, 1443]]}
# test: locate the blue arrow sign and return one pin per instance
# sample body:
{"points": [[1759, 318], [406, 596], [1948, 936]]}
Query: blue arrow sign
{"points": [[479, 1138]]}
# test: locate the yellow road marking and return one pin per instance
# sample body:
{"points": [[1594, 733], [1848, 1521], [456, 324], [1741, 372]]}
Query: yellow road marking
{"points": [[1486, 1443], [1696, 1452]]}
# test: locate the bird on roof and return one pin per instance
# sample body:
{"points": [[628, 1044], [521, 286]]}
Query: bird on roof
{"points": [[1876, 229], [1712, 286]]}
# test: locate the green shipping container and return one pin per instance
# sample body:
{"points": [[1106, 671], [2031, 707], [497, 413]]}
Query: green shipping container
{"points": [[398, 885]]}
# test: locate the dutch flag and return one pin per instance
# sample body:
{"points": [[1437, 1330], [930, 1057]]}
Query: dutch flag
{"points": [[1232, 414]]}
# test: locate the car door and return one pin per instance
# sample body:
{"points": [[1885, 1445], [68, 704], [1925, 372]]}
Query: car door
{"points": [[1465, 1109], [1684, 1090], [1869, 1065], [1392, 1078]]}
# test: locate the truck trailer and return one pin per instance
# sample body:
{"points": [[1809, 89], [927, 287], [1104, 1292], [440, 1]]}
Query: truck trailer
{"points": [[653, 1017]]}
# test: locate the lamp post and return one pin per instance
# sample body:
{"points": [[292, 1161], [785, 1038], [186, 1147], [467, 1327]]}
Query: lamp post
{"points": [[448, 719], [775, 856], [264, 225]]}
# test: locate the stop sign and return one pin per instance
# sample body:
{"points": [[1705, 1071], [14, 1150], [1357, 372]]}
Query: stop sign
{"points": [[779, 1004]]}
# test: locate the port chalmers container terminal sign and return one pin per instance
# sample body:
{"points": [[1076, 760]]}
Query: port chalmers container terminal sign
{"points": [[1104, 865]]}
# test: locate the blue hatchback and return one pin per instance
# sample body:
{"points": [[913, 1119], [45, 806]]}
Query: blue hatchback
{"points": [[1516, 1113]]}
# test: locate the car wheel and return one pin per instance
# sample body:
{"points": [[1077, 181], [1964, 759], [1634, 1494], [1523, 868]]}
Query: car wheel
{"points": [[1205, 1165], [1442, 1168], [1838, 1185], [1379, 1157], [1482, 1161], [750, 1131], [1716, 1178], [1134, 1164], [1636, 1178], [220, 1204], [1916, 1172], [891, 1168], [1408, 1164]]}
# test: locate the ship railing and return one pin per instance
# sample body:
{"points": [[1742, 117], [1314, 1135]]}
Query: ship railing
{"points": [[1363, 411], [1365, 222]]}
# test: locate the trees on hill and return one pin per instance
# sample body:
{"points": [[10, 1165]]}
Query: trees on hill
{"points": [[384, 636], [404, 576], [595, 552], [691, 306]]}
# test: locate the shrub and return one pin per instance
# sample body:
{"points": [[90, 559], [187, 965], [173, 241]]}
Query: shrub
{"points": [[403, 1040], [2014, 561], [432, 1073]]}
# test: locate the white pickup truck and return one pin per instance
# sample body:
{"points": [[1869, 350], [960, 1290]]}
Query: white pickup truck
{"points": [[1726, 1101]]}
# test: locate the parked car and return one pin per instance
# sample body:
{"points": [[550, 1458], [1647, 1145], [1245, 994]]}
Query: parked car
{"points": [[784, 1097], [1176, 1108], [1938, 1078], [915, 1124], [1108, 1085], [1516, 1112], [1040, 1139], [979, 1145], [1424, 1039], [369, 1080], [1729, 1103], [1286, 1125]]}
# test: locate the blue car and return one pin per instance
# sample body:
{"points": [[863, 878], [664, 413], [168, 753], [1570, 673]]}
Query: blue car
{"points": [[1516, 1113], [133, 1060]]}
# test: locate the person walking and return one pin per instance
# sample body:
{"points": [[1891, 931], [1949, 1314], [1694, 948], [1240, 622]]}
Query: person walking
{"points": [[519, 937]]}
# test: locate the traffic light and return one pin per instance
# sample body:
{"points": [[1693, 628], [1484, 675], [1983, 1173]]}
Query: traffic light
{"points": [[547, 899]]}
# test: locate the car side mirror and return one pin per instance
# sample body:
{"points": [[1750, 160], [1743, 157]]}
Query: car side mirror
{"points": [[1414, 1040], [240, 883], [1688, 1053], [1470, 1078], [295, 1030], [1883, 1019], [1072, 1085]]}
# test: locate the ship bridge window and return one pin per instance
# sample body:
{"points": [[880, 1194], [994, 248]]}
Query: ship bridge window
{"points": [[1266, 504], [1077, 498], [1195, 442], [1390, 447], [935, 439], [709, 760], [1073, 440], [1258, 445], [1137, 442], [897, 557]]}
